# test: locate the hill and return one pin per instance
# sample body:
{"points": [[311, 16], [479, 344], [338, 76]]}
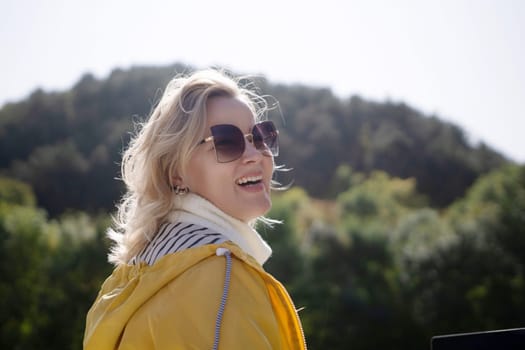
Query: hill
{"points": [[67, 145]]}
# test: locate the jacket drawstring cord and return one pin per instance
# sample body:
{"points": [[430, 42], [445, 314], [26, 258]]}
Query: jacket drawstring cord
{"points": [[222, 252]]}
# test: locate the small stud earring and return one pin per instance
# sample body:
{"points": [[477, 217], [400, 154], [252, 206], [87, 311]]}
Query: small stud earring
{"points": [[180, 191]]}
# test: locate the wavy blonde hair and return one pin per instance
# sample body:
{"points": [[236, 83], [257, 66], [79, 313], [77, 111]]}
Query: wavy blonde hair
{"points": [[160, 150]]}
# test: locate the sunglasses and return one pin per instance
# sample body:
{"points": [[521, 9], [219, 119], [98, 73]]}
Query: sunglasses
{"points": [[229, 143]]}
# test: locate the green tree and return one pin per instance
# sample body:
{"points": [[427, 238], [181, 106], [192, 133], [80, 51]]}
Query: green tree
{"points": [[24, 260], [51, 271], [474, 280], [16, 192]]}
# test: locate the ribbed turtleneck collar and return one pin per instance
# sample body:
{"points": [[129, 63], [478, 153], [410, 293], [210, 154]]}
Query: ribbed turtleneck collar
{"points": [[197, 210]]}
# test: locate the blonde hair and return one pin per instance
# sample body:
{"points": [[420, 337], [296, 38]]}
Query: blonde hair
{"points": [[160, 151]]}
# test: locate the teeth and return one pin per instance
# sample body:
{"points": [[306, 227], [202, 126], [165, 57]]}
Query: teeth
{"points": [[244, 180]]}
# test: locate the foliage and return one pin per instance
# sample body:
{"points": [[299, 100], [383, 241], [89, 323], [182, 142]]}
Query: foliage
{"points": [[51, 271], [367, 270], [390, 267], [23, 232], [16, 192]]}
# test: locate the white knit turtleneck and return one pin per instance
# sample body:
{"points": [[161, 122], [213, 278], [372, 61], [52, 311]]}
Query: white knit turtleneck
{"points": [[197, 210]]}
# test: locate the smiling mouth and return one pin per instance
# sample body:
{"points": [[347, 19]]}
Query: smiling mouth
{"points": [[249, 180]]}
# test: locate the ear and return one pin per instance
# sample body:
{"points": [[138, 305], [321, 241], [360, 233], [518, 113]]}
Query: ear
{"points": [[177, 181]]}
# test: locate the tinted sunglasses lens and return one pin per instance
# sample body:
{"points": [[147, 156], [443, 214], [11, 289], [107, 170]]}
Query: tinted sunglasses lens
{"points": [[228, 141], [265, 137]]}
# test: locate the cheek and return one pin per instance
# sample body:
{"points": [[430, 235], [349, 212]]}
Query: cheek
{"points": [[196, 175], [206, 179], [268, 166]]}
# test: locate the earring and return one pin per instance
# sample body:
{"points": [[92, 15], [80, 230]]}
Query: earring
{"points": [[180, 191]]}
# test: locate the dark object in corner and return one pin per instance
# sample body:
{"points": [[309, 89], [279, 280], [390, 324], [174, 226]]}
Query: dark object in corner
{"points": [[505, 339]]}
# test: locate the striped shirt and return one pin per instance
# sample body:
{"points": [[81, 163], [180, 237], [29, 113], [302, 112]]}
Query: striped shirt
{"points": [[175, 237]]}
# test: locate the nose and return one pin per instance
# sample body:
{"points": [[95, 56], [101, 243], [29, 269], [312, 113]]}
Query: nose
{"points": [[251, 154]]}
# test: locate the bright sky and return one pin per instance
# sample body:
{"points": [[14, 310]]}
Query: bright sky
{"points": [[460, 59]]}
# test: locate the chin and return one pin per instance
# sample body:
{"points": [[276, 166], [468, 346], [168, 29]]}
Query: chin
{"points": [[257, 211]]}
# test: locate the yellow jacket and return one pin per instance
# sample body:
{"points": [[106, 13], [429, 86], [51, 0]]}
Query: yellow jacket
{"points": [[174, 303]]}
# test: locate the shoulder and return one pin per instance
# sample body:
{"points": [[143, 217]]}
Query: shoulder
{"points": [[195, 278], [176, 237], [205, 279], [190, 302]]}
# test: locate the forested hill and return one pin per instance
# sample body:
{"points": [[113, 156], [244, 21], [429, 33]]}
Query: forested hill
{"points": [[67, 145]]}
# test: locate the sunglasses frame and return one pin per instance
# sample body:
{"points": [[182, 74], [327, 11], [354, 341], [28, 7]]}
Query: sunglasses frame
{"points": [[273, 150]]}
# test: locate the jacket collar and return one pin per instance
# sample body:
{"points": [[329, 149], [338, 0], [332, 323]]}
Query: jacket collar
{"points": [[197, 210]]}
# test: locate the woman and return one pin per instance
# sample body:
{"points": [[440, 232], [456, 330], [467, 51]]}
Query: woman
{"points": [[188, 261]]}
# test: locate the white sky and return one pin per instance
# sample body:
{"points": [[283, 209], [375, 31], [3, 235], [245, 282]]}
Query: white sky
{"points": [[460, 59]]}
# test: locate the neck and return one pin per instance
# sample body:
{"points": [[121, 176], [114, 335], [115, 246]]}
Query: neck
{"points": [[196, 209]]}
